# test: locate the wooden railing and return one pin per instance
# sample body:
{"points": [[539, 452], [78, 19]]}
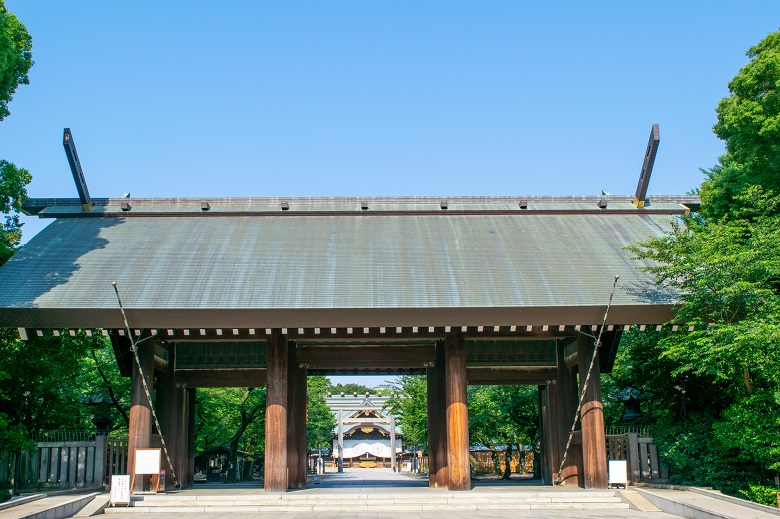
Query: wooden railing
{"points": [[644, 464], [65, 464]]}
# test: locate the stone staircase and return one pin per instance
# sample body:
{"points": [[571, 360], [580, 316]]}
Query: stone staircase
{"points": [[304, 501]]}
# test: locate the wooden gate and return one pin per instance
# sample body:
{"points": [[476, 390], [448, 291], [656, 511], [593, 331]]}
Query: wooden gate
{"points": [[644, 463]]}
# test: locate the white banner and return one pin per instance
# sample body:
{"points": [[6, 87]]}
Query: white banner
{"points": [[357, 448]]}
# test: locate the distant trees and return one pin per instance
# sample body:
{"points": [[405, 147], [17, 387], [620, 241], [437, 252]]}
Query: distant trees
{"points": [[350, 389]]}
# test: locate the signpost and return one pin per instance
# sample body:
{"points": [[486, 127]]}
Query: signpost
{"points": [[120, 490], [147, 461]]}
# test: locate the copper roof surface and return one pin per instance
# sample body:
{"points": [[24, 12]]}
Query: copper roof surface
{"points": [[328, 262]]}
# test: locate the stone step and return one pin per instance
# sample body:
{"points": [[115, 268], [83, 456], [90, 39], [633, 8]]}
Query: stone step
{"points": [[364, 502], [421, 495], [374, 501], [371, 507]]}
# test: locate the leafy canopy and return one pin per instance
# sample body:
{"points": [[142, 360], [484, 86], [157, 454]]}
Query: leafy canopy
{"points": [[409, 404], [15, 62], [15, 57], [749, 123], [718, 423], [320, 421], [13, 191]]}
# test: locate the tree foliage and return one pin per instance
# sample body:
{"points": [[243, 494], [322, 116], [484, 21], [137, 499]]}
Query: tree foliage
{"points": [[15, 62], [15, 57], [749, 123], [230, 417], [504, 416], [320, 421], [409, 404], [45, 382], [724, 366], [716, 384]]}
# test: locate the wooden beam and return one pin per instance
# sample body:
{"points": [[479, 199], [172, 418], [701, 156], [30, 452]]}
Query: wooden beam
{"points": [[514, 375], [459, 473], [356, 357], [239, 377], [276, 415]]}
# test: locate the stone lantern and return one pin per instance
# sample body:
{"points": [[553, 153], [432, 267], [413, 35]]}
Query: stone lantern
{"points": [[631, 397]]}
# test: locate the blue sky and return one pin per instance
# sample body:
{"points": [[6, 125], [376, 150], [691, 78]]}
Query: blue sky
{"points": [[190, 98]]}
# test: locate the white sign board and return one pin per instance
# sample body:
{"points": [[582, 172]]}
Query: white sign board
{"points": [[618, 473], [120, 490], [147, 461]]}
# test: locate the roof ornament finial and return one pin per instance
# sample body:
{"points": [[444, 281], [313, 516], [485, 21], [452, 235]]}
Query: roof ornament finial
{"points": [[75, 168], [647, 167]]}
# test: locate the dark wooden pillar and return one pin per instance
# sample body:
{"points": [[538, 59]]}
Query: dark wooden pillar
{"points": [[301, 440], [296, 421], [459, 470], [140, 419], [566, 406], [191, 394], [547, 446], [169, 405], [181, 461], [276, 414], [437, 421], [594, 443]]}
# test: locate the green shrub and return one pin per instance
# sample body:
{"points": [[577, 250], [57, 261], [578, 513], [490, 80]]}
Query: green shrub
{"points": [[761, 494]]}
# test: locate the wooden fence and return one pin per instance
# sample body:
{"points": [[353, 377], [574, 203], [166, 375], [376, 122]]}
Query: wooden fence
{"points": [[644, 464], [65, 464]]}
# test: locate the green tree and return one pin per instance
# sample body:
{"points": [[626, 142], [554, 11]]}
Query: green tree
{"points": [[727, 275], [15, 62], [232, 418], [409, 404], [319, 419], [749, 123], [13, 191], [504, 416], [15, 57]]}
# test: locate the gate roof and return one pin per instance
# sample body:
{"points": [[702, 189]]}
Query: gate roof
{"points": [[336, 262]]}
